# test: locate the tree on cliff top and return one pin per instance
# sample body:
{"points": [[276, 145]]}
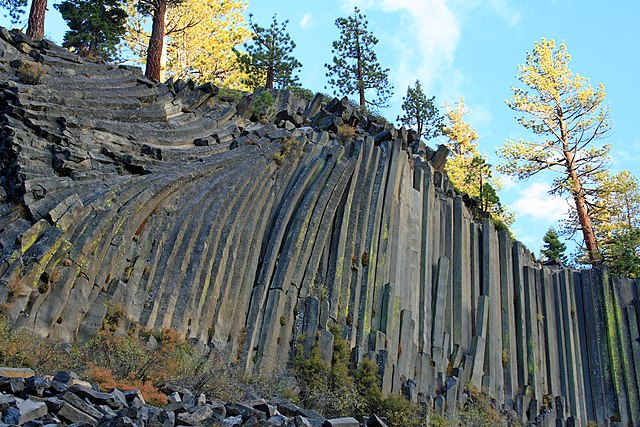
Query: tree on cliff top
{"points": [[355, 67], [158, 10], [468, 169], [203, 36], [95, 26], [568, 116], [615, 215], [421, 112], [268, 61], [553, 248]]}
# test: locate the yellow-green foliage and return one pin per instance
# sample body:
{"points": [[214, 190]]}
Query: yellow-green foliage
{"points": [[313, 375], [289, 148], [22, 348], [230, 95], [31, 73], [400, 412], [346, 131]]}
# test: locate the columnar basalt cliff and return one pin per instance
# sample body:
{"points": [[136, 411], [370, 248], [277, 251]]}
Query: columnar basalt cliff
{"points": [[177, 204]]}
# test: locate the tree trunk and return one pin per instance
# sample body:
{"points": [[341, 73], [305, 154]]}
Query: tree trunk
{"points": [[269, 84], [587, 229], [360, 72], [154, 53], [35, 28]]}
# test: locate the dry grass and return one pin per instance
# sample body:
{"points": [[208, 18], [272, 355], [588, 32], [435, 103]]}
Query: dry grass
{"points": [[31, 73]]}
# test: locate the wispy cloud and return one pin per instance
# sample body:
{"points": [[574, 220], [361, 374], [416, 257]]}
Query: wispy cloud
{"points": [[505, 10], [306, 20], [536, 202]]}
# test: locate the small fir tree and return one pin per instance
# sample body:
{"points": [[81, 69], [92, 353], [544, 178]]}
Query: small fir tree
{"points": [[268, 61], [553, 248], [421, 112], [355, 67], [95, 26]]}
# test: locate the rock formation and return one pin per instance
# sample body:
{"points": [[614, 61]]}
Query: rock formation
{"points": [[250, 236]]}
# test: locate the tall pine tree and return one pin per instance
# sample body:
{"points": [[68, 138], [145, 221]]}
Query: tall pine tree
{"points": [[355, 67], [567, 116], [95, 26], [268, 61]]}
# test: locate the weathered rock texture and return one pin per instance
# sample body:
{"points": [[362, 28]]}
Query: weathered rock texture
{"points": [[249, 237]]}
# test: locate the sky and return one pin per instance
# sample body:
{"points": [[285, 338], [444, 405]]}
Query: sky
{"points": [[471, 49]]}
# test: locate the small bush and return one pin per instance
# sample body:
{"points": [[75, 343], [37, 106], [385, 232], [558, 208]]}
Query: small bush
{"points": [[227, 94], [289, 148], [31, 73], [346, 131], [263, 107], [400, 412], [301, 92], [24, 349]]}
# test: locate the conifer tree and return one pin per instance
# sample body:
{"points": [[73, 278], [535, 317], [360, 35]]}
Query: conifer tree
{"points": [[421, 112], [355, 67], [95, 26], [158, 10], [553, 248], [35, 24], [468, 169], [268, 61], [615, 213], [568, 117], [202, 37]]}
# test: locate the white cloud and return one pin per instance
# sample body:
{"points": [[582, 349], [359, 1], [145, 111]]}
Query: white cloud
{"points": [[506, 11], [305, 22], [536, 202]]}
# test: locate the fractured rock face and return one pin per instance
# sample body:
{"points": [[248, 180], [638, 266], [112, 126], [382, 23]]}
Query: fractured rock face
{"points": [[252, 228]]}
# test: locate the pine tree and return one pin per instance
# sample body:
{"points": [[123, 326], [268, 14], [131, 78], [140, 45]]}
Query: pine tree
{"points": [[615, 213], [569, 117], [37, 11], [268, 61], [553, 248], [468, 169], [202, 37], [158, 10], [95, 26], [421, 112], [355, 67]]}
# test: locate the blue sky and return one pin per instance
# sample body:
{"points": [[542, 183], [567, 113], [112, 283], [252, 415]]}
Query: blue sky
{"points": [[471, 48]]}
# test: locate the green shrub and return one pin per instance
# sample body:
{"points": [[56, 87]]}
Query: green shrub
{"points": [[227, 94], [301, 92], [400, 412], [313, 375], [368, 385], [289, 148], [263, 107], [24, 349]]}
